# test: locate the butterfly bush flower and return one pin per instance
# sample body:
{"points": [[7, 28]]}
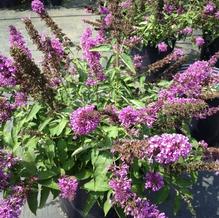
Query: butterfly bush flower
{"points": [[84, 120], [20, 99], [177, 54], [11, 206], [187, 31], [108, 19], [104, 10], [7, 72], [124, 197], [126, 4], [138, 60], [168, 148], [162, 47], [121, 184], [38, 6], [16, 40], [149, 114], [7, 161], [57, 46], [5, 110], [217, 15], [203, 144], [142, 208], [199, 41], [128, 116], [96, 73], [189, 82], [68, 187], [132, 41], [168, 8], [154, 181], [209, 8]]}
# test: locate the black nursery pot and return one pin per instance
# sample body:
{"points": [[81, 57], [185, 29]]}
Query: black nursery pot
{"points": [[151, 54], [8, 3], [56, 2], [209, 49], [207, 129], [74, 209]]}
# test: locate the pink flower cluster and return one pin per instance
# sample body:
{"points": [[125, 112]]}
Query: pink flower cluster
{"points": [[7, 161], [209, 8], [38, 6], [162, 47], [68, 187], [132, 41], [126, 4], [199, 41], [121, 184], [92, 57], [168, 148], [6, 109], [20, 99], [154, 181], [187, 31], [11, 206], [84, 120], [138, 61], [7, 72], [57, 47], [124, 197], [128, 117], [190, 82], [16, 40]]}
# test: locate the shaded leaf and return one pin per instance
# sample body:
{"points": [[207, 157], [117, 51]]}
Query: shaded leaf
{"points": [[102, 48], [128, 62], [32, 201], [44, 194]]}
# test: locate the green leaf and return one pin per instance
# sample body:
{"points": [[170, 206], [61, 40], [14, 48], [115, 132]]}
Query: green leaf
{"points": [[47, 174], [107, 205], [50, 183], [44, 194], [33, 112], [184, 182], [7, 136], [162, 195], [138, 103], [176, 204], [68, 164], [101, 163], [57, 130], [97, 185], [102, 48], [128, 62], [112, 131], [32, 201], [45, 123], [83, 174], [50, 149], [91, 200]]}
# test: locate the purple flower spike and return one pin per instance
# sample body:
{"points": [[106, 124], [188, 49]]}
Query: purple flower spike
{"points": [[162, 47], [154, 181], [199, 41], [16, 40], [68, 187], [38, 6], [84, 120], [128, 116]]}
